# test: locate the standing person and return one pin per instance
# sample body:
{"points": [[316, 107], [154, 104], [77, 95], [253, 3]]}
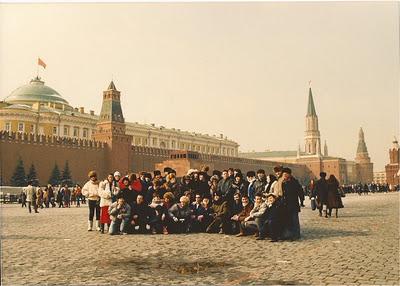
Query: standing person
{"points": [[261, 182], [31, 197], [67, 196], [23, 199], [277, 189], [239, 185], [39, 197], [78, 193], [126, 192], [106, 189], [50, 194], [271, 181], [91, 191], [60, 196], [321, 192], [225, 183], [251, 192], [292, 192], [334, 199]]}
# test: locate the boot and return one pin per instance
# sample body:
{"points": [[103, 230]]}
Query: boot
{"points": [[102, 228], [98, 225], [90, 225]]}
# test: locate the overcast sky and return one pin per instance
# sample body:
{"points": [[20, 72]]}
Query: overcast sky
{"points": [[241, 69]]}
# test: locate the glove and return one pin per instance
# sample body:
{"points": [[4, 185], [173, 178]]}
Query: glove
{"points": [[175, 219]]}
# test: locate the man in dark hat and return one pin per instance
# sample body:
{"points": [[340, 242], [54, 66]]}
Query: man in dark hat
{"points": [[292, 192], [321, 192]]}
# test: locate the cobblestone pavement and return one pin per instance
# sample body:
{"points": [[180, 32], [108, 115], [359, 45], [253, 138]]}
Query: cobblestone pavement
{"points": [[54, 247]]}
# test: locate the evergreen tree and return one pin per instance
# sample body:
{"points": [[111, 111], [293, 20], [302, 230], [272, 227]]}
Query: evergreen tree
{"points": [[66, 175], [55, 177], [32, 176], [19, 179]]}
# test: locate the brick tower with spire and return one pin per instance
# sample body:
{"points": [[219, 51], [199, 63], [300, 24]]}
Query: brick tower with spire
{"points": [[392, 169], [364, 166], [312, 136], [111, 129]]}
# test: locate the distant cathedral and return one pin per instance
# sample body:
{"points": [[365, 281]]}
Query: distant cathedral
{"points": [[347, 172]]}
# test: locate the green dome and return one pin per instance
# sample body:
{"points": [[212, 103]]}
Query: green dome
{"points": [[34, 92]]}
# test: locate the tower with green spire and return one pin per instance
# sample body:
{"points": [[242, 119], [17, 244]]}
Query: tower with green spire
{"points": [[111, 129], [312, 136]]}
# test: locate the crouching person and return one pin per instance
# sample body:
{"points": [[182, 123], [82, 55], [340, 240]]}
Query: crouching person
{"points": [[220, 221], [180, 216], [271, 225], [254, 221], [120, 213], [141, 214]]}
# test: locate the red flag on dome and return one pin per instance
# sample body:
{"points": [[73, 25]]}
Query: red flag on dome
{"points": [[41, 63]]}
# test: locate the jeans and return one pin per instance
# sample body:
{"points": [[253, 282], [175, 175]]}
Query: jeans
{"points": [[94, 206], [118, 225]]}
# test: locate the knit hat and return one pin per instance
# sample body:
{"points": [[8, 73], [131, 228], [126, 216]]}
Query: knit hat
{"points": [[92, 174], [117, 173]]}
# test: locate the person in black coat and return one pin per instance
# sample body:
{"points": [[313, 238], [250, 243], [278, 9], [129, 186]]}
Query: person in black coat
{"points": [[197, 214], [292, 192], [321, 193]]}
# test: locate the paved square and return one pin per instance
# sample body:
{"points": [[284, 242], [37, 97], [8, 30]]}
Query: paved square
{"points": [[54, 247]]}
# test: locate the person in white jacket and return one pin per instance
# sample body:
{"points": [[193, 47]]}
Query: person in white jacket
{"points": [[91, 191], [107, 189]]}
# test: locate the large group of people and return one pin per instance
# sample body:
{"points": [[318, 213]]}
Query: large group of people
{"points": [[226, 202]]}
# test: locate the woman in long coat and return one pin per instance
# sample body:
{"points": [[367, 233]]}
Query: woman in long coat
{"points": [[334, 199]]}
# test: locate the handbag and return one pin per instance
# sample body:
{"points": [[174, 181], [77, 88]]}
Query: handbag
{"points": [[313, 204]]}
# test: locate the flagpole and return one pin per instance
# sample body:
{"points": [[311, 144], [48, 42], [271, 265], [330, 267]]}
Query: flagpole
{"points": [[37, 69]]}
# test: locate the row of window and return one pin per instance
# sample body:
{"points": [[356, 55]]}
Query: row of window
{"points": [[32, 129], [139, 141]]}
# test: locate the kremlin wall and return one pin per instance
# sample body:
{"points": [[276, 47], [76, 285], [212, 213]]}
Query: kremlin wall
{"points": [[39, 126]]}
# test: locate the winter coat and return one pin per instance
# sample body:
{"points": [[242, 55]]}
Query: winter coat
{"points": [[128, 195], [321, 191], [259, 186], [106, 192], [224, 186], [91, 191], [334, 199], [177, 211], [29, 191], [245, 212], [277, 188], [292, 192]]}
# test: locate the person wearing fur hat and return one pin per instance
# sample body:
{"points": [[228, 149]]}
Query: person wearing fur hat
{"points": [[157, 187], [91, 191]]}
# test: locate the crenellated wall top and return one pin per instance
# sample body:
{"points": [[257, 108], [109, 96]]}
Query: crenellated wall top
{"points": [[44, 140]]}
